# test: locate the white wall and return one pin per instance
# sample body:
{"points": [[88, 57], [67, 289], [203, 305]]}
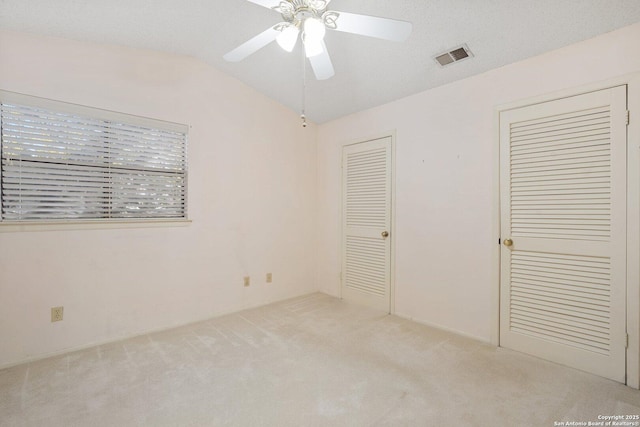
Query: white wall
{"points": [[445, 190], [252, 181]]}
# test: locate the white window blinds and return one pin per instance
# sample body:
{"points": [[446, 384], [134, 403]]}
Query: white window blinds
{"points": [[61, 165]]}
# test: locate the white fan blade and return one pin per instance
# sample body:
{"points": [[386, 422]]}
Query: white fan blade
{"points": [[252, 46], [372, 26], [269, 4], [321, 64]]}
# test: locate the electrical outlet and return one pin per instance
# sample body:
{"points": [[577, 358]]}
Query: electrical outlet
{"points": [[269, 278], [247, 281], [57, 314]]}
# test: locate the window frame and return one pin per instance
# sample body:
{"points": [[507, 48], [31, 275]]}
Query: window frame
{"points": [[56, 106]]}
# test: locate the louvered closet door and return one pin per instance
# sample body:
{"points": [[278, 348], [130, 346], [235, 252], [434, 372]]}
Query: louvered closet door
{"points": [[563, 205], [366, 214]]}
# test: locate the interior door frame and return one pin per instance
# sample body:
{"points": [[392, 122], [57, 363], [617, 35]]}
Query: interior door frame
{"points": [[392, 221], [633, 211]]}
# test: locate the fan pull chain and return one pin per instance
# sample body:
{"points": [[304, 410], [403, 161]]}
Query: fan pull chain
{"points": [[304, 89]]}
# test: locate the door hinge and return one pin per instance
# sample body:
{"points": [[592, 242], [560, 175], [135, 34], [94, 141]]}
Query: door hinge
{"points": [[628, 117], [626, 343]]}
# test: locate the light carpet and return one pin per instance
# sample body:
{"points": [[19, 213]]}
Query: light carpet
{"points": [[309, 361]]}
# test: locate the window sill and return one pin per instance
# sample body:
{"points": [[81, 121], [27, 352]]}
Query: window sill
{"points": [[23, 226]]}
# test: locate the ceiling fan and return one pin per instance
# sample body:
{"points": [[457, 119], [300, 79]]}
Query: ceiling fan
{"points": [[310, 19]]}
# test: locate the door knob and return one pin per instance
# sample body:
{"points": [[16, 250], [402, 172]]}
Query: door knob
{"points": [[385, 234], [508, 242]]}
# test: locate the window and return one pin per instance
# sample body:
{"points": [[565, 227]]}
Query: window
{"points": [[68, 162]]}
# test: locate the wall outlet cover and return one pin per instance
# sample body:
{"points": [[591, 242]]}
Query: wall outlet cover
{"points": [[57, 314]]}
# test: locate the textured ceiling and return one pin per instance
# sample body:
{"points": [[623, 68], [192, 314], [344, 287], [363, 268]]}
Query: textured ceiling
{"points": [[369, 72]]}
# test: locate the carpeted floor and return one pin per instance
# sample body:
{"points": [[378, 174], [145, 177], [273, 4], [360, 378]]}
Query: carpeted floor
{"points": [[309, 361]]}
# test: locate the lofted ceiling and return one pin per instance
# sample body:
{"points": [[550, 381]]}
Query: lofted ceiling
{"points": [[369, 72]]}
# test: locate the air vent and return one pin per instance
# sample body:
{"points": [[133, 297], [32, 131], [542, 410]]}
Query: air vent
{"points": [[454, 55]]}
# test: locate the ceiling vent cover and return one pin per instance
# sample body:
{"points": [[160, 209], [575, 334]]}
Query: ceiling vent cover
{"points": [[454, 55]]}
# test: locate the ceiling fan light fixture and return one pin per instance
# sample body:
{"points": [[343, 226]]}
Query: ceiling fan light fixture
{"points": [[314, 30], [288, 38]]}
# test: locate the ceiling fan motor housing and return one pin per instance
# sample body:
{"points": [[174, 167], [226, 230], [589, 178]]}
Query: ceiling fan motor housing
{"points": [[297, 11]]}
